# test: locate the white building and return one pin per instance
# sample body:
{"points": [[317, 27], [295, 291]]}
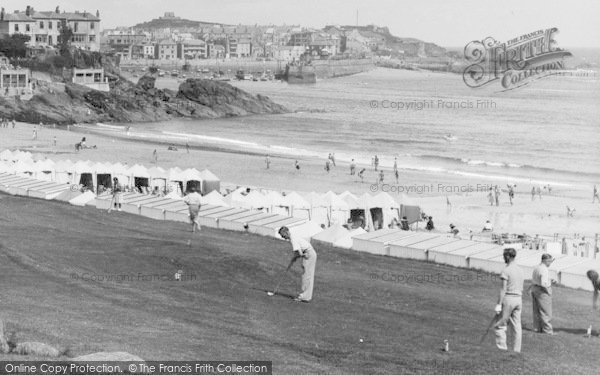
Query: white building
{"points": [[44, 27]]}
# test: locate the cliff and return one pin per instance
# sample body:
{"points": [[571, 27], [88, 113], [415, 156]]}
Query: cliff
{"points": [[127, 102]]}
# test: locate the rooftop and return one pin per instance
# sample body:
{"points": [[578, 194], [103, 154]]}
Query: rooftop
{"points": [[68, 16]]}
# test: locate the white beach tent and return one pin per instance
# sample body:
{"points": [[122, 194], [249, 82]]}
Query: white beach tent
{"points": [[306, 229], [45, 170], [373, 211], [255, 200], [357, 211], [139, 176], [213, 198], [210, 182], [7, 167], [191, 177], [319, 208], [390, 208], [337, 236], [175, 182], [339, 212], [277, 204], [235, 198], [24, 167], [103, 175], [297, 206], [63, 172], [158, 178], [121, 172], [6, 155]]}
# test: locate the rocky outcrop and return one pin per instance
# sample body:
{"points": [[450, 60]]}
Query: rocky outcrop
{"points": [[142, 102], [223, 98]]}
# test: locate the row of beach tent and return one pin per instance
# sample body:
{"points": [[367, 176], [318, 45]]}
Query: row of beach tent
{"points": [[217, 212], [372, 211], [93, 174]]}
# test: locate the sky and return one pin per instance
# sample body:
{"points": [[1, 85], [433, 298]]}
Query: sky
{"points": [[446, 23]]}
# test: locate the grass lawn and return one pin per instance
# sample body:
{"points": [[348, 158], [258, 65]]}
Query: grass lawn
{"points": [[81, 278]]}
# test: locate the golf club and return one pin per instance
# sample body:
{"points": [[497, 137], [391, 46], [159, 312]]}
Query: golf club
{"points": [[492, 322], [271, 294]]}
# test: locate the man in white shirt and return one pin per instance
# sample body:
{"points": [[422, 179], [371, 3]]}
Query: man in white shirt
{"points": [[193, 200], [510, 303], [541, 294], [302, 249]]}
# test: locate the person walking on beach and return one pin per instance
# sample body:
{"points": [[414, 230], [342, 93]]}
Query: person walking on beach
{"points": [[361, 174], [155, 157], [491, 197], [497, 195], [595, 196], [297, 166], [541, 296], [539, 192], [510, 303], [14, 123], [333, 159], [533, 193], [352, 168], [327, 166], [376, 162], [34, 135], [302, 249], [187, 146], [54, 141], [268, 161], [193, 201], [511, 194], [397, 175], [116, 195], [395, 164]]}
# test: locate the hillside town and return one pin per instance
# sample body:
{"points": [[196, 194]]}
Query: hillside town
{"points": [[169, 37]]}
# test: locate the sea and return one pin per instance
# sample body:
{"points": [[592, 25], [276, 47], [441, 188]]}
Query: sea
{"points": [[546, 132]]}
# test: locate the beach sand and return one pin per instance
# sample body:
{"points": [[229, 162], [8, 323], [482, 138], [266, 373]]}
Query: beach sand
{"points": [[468, 197]]}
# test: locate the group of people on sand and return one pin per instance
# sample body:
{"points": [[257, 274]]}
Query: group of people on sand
{"points": [[4, 122]]}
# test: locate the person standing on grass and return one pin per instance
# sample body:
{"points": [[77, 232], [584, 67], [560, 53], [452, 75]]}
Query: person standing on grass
{"points": [[193, 200], [116, 198], [302, 249], [541, 295], [510, 303]]}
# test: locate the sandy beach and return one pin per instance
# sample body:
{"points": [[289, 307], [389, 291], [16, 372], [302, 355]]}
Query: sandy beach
{"points": [[469, 207]]}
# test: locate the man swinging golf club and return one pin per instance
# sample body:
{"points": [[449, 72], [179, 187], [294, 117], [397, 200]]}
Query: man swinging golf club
{"points": [[302, 249]]}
